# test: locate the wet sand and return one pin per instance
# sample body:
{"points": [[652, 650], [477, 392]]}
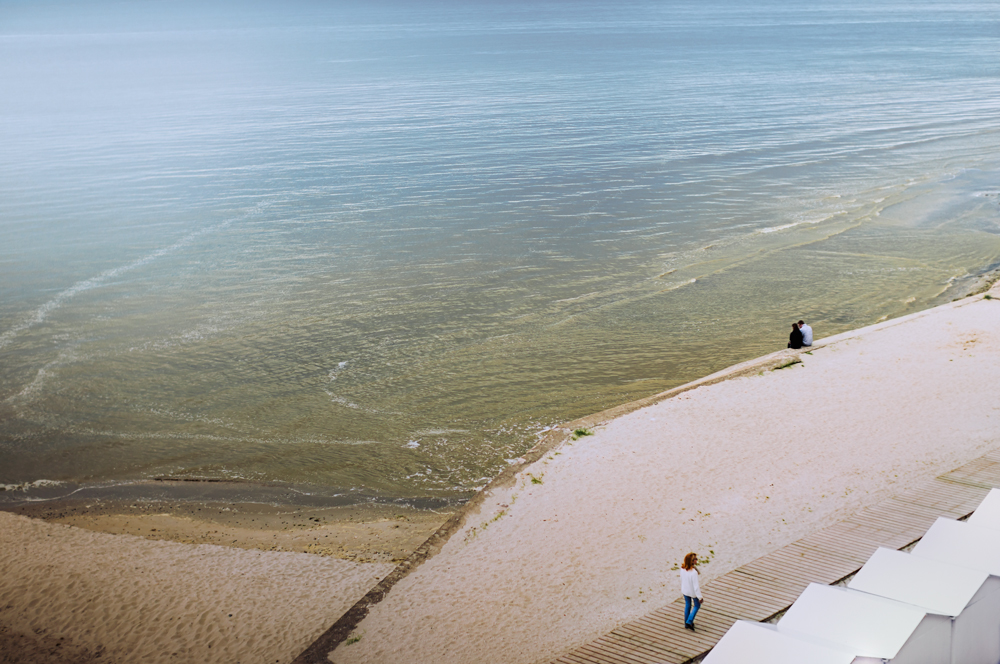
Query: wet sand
{"points": [[71, 595], [88, 581], [365, 533]]}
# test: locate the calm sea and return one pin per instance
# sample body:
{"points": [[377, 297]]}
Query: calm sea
{"points": [[375, 248]]}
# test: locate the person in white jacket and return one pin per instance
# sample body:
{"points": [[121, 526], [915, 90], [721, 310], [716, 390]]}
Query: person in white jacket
{"points": [[807, 333], [690, 589]]}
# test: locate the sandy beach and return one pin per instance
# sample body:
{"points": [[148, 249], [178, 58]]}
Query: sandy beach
{"points": [[555, 552], [71, 595]]}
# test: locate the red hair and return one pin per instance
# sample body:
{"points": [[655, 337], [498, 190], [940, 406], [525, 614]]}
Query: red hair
{"points": [[690, 562]]}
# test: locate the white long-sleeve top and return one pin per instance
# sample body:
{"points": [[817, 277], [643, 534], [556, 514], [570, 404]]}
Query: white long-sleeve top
{"points": [[807, 335], [689, 583]]}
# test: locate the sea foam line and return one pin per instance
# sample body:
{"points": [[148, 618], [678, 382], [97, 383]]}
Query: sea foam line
{"points": [[42, 312]]}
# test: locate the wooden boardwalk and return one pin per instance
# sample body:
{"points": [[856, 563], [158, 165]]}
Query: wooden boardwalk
{"points": [[766, 587]]}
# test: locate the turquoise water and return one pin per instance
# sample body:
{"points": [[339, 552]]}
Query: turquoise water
{"points": [[375, 250]]}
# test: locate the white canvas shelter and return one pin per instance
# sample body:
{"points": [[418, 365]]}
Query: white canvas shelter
{"points": [[869, 625], [961, 544], [987, 515], [971, 597], [919, 581], [955, 546], [756, 643]]}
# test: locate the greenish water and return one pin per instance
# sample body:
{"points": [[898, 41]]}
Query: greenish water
{"points": [[373, 252]]}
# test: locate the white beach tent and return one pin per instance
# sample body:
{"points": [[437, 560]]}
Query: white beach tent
{"points": [[756, 643], [987, 515], [954, 545], [961, 544], [869, 626], [970, 597]]}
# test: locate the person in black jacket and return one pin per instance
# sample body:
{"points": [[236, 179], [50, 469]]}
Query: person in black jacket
{"points": [[795, 338]]}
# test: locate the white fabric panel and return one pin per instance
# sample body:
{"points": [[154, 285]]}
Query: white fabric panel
{"points": [[868, 625], [987, 515], [976, 633], [930, 584], [961, 544], [930, 643], [756, 643]]}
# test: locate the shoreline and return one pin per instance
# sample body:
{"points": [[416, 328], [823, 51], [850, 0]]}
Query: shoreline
{"points": [[349, 526], [597, 522], [892, 402], [560, 436], [240, 516]]}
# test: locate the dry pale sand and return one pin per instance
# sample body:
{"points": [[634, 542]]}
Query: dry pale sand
{"points": [[585, 538], [69, 595]]}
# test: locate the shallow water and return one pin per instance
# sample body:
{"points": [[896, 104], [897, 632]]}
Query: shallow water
{"points": [[376, 250]]}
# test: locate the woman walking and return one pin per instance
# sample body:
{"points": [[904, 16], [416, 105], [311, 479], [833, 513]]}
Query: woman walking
{"points": [[690, 589]]}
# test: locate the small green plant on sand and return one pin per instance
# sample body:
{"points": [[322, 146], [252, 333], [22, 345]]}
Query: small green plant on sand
{"points": [[535, 480], [787, 364], [351, 640], [987, 297], [580, 433]]}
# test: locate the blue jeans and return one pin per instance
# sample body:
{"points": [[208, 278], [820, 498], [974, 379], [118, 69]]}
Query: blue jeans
{"points": [[689, 610]]}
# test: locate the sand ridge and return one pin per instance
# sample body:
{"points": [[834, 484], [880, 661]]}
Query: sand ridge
{"points": [[584, 539]]}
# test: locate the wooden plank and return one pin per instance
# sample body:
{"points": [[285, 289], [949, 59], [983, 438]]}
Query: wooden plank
{"points": [[573, 658], [842, 543], [655, 649], [631, 652], [657, 632], [787, 563], [790, 565], [754, 602], [756, 588], [688, 645], [601, 653], [792, 573], [891, 523], [671, 633], [754, 583], [899, 520], [859, 538], [751, 609], [843, 556], [568, 659], [945, 493], [610, 654], [755, 607], [918, 504], [789, 570], [795, 564]]}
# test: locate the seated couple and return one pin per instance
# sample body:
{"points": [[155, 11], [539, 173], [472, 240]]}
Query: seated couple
{"points": [[802, 335]]}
